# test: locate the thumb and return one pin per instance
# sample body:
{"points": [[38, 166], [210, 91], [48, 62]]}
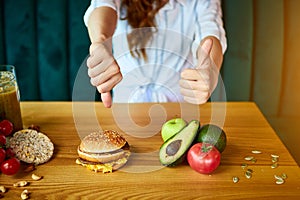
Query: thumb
{"points": [[204, 53], [207, 46], [106, 99]]}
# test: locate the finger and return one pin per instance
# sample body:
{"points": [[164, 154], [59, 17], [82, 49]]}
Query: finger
{"points": [[109, 77], [90, 63], [195, 101], [195, 74], [194, 85], [106, 99], [195, 97], [98, 55], [196, 94], [108, 64], [204, 59], [109, 84], [207, 46]]}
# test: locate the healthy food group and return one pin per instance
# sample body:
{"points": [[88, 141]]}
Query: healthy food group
{"points": [[200, 145], [9, 164], [27, 145]]}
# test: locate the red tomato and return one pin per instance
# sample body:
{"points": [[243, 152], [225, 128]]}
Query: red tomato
{"points": [[2, 155], [2, 140], [203, 158], [10, 166], [6, 127], [10, 153]]}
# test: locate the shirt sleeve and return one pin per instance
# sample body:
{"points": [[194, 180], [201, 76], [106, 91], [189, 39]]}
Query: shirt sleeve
{"points": [[209, 23], [98, 3]]}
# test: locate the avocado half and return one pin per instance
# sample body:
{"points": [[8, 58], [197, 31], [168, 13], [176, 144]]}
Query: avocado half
{"points": [[174, 149]]}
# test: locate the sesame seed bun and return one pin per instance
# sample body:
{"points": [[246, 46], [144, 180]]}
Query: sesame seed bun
{"points": [[106, 147]]}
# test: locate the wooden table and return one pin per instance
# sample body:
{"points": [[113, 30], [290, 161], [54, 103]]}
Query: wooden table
{"points": [[143, 177]]}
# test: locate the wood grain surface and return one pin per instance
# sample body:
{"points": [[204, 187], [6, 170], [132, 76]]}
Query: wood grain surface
{"points": [[143, 177]]}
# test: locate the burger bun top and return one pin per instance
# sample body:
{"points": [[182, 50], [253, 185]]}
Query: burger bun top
{"points": [[102, 142]]}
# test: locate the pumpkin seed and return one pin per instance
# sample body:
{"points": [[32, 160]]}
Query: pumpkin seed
{"points": [[248, 174], [274, 160], [274, 156], [244, 165], [253, 160], [284, 176], [278, 177], [235, 179], [279, 181], [275, 165], [248, 158], [256, 152], [250, 171]]}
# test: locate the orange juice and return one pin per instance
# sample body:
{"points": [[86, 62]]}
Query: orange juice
{"points": [[9, 100]]}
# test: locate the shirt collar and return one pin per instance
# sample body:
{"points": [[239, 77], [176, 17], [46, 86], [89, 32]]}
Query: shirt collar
{"points": [[170, 4]]}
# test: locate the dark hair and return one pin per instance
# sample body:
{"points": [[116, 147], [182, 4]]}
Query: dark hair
{"points": [[140, 14]]}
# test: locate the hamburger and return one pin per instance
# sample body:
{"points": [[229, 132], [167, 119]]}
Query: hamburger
{"points": [[103, 151]]}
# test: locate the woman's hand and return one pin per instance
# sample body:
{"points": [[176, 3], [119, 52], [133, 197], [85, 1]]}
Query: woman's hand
{"points": [[103, 70], [198, 84]]}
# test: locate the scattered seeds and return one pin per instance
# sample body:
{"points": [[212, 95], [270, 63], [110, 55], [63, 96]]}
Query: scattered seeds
{"points": [[279, 181], [275, 165], [284, 176], [36, 177], [235, 179], [274, 160], [248, 158], [20, 184], [2, 189], [25, 194], [248, 174], [274, 156], [244, 165], [253, 160], [256, 152], [277, 177]]}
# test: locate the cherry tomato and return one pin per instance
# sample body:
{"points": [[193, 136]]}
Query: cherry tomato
{"points": [[10, 153], [10, 166], [2, 140], [6, 127], [203, 158], [2, 155]]}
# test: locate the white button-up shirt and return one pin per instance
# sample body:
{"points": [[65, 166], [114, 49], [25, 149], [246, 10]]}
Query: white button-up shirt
{"points": [[181, 25]]}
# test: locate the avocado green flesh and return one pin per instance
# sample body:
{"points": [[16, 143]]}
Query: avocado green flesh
{"points": [[175, 147]]}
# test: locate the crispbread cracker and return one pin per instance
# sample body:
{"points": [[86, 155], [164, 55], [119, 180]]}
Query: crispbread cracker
{"points": [[31, 146]]}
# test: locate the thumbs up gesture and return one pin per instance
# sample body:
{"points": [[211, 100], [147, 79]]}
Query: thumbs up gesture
{"points": [[197, 84]]}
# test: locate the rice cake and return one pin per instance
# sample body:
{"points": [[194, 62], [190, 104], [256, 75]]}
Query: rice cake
{"points": [[31, 146]]}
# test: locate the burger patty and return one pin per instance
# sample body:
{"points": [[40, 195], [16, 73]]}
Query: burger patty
{"points": [[104, 157], [104, 167]]}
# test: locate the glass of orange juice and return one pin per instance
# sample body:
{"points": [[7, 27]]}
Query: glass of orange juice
{"points": [[10, 97]]}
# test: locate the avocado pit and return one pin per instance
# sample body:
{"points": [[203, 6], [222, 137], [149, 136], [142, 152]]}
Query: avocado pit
{"points": [[173, 147]]}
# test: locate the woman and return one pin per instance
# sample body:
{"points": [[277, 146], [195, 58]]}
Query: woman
{"points": [[155, 50]]}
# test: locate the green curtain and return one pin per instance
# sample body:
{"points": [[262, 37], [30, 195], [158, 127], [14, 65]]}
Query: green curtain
{"points": [[47, 42], [237, 66], [252, 68]]}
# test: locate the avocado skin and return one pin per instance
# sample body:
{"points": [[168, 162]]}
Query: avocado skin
{"points": [[216, 136], [187, 135], [178, 161]]}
